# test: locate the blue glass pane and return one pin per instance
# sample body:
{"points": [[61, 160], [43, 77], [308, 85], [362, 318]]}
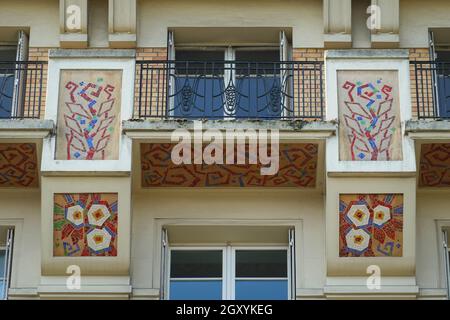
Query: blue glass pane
{"points": [[2, 263], [444, 95], [6, 93], [261, 290], [2, 291], [197, 97], [196, 290], [259, 97]]}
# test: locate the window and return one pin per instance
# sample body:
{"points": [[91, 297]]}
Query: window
{"points": [[440, 53], [13, 77], [229, 81], [6, 247], [248, 273], [196, 274]]}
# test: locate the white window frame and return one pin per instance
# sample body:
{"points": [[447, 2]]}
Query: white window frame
{"points": [[229, 266]]}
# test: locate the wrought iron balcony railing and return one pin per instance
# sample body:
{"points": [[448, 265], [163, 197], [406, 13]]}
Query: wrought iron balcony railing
{"points": [[21, 89], [229, 89], [431, 89]]}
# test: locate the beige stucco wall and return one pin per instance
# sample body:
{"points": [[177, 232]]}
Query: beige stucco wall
{"points": [[21, 209], [41, 16], [151, 209], [416, 16], [304, 16], [155, 17], [432, 208]]}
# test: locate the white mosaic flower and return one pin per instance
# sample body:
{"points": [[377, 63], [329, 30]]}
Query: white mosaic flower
{"points": [[359, 214], [98, 239], [98, 214], [357, 239], [75, 215], [381, 215]]}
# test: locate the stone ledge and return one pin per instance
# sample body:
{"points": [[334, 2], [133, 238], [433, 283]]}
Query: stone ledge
{"points": [[282, 125], [25, 128], [428, 125], [368, 54], [91, 53]]}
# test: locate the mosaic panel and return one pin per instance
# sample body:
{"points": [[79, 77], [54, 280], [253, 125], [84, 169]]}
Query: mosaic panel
{"points": [[85, 225], [370, 225], [18, 165], [89, 115], [369, 116], [298, 166], [435, 165]]}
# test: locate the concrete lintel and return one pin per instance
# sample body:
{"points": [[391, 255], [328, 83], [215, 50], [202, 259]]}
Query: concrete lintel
{"points": [[91, 53], [367, 54], [431, 125], [281, 125], [25, 128]]}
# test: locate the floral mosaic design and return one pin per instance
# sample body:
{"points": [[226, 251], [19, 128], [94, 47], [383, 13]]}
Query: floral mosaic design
{"points": [[89, 115], [369, 116], [370, 225], [85, 225]]}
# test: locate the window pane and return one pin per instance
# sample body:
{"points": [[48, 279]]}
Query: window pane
{"points": [[258, 55], [195, 290], [261, 290], [196, 264], [2, 290], [2, 263], [261, 264], [198, 97], [260, 97], [6, 92]]}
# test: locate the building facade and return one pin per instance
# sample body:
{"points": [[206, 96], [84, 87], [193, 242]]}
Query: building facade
{"points": [[356, 93]]}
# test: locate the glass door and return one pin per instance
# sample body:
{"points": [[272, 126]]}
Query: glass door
{"points": [[258, 83], [198, 83]]}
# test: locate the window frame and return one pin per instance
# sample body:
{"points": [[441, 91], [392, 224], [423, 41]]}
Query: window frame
{"points": [[229, 266]]}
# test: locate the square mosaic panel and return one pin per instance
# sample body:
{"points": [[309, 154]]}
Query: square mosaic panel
{"points": [[370, 225], [18, 165], [85, 225], [369, 116], [89, 115]]}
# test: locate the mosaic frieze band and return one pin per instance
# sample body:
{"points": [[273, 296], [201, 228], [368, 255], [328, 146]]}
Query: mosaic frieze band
{"points": [[435, 165], [297, 168], [18, 165]]}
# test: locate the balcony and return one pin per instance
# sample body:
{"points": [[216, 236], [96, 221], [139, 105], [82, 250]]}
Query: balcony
{"points": [[229, 90], [431, 89], [21, 89]]}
